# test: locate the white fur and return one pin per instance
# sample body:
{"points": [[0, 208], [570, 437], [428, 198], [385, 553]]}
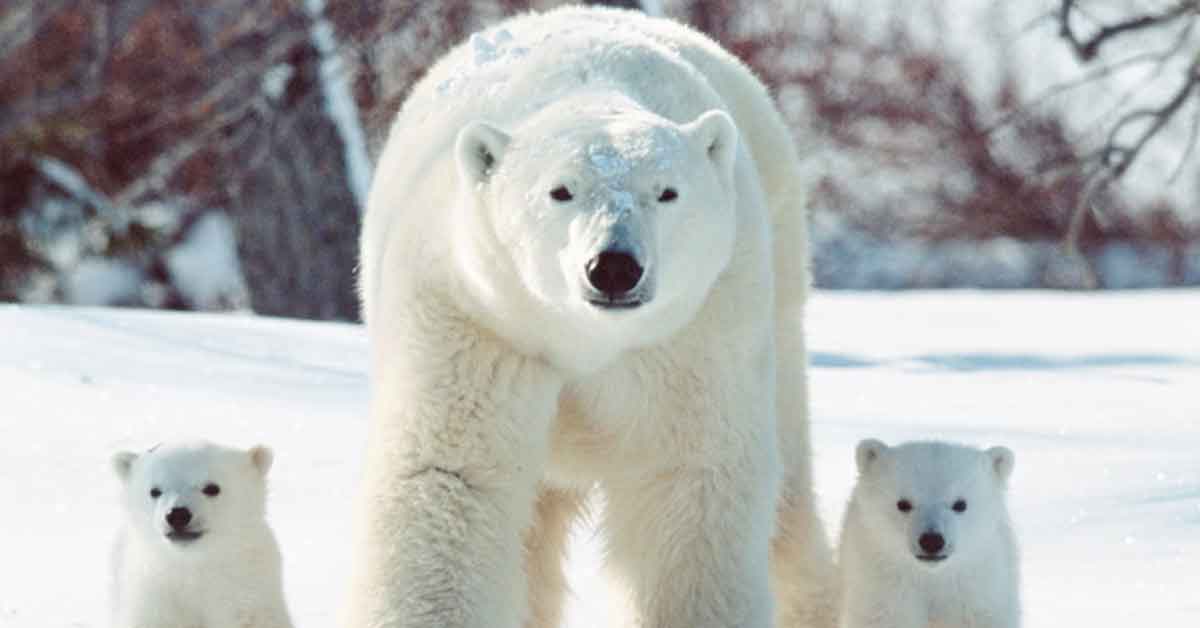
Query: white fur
{"points": [[501, 396], [228, 577], [883, 582]]}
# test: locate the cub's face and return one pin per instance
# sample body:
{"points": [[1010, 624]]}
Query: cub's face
{"points": [[191, 494], [932, 501], [605, 218]]}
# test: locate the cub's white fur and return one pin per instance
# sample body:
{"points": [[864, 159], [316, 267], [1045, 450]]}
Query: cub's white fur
{"points": [[508, 382], [194, 549], [927, 540]]}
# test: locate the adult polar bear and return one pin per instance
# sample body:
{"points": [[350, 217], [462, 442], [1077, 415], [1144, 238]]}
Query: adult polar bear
{"points": [[584, 264]]}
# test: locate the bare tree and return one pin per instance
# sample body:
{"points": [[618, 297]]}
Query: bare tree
{"points": [[1140, 36], [922, 151], [166, 100], [221, 105], [216, 104]]}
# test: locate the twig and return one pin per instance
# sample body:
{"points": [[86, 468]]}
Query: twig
{"points": [[165, 164], [1095, 181], [246, 78], [1062, 88], [1086, 50], [1125, 155], [1115, 159], [1189, 149]]}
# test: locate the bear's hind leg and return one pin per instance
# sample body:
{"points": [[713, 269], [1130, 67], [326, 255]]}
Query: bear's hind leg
{"points": [[802, 566], [802, 571], [545, 550]]}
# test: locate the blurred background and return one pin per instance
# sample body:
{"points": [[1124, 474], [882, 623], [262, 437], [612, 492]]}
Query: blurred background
{"points": [[215, 155]]}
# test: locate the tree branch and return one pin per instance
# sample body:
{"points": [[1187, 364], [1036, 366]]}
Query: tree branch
{"points": [[1124, 156], [1087, 49], [1193, 135], [1114, 158]]}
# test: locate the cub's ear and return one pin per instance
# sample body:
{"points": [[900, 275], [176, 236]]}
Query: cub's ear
{"points": [[867, 452], [716, 134], [122, 464], [478, 149], [1002, 462], [261, 457]]}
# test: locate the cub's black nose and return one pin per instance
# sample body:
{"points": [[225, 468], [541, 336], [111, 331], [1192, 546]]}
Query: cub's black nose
{"points": [[179, 518], [614, 273], [932, 542]]}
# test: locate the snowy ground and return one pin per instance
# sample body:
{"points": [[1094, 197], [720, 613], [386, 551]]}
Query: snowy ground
{"points": [[1098, 395]]}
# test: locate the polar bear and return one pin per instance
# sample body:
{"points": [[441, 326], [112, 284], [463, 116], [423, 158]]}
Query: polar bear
{"points": [[926, 539], [194, 549], [584, 264]]}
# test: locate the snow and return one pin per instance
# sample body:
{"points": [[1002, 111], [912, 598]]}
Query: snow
{"points": [[1128, 266], [849, 257], [1096, 394], [58, 226], [74, 184], [1191, 270], [102, 281], [340, 103], [204, 267], [489, 51], [485, 51], [275, 80], [607, 162]]}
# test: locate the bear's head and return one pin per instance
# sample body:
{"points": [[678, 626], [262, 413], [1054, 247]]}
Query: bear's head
{"points": [[189, 493], [601, 217], [932, 501]]}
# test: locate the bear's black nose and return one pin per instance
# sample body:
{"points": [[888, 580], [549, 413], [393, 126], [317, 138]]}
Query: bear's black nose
{"points": [[179, 517], [932, 542], [614, 273]]}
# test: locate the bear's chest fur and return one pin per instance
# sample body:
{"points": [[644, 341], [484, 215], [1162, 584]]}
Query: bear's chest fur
{"points": [[617, 423]]}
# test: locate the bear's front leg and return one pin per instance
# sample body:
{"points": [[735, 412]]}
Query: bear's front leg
{"points": [[885, 610], [690, 535], [240, 612], [876, 595], [457, 447]]}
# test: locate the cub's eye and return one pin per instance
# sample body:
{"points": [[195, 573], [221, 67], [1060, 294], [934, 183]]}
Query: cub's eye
{"points": [[960, 506], [904, 505], [155, 493], [668, 195], [212, 490], [561, 194]]}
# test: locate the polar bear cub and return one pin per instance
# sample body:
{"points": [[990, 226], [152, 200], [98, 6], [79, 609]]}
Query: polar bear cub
{"points": [[926, 539], [194, 549]]}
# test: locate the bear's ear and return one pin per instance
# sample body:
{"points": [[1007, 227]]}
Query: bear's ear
{"points": [[478, 149], [122, 463], [715, 132], [261, 457], [867, 452], [1002, 462]]}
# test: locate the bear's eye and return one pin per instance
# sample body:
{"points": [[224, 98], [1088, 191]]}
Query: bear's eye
{"points": [[668, 195], [960, 506], [212, 490], [561, 194], [904, 505], [155, 493]]}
